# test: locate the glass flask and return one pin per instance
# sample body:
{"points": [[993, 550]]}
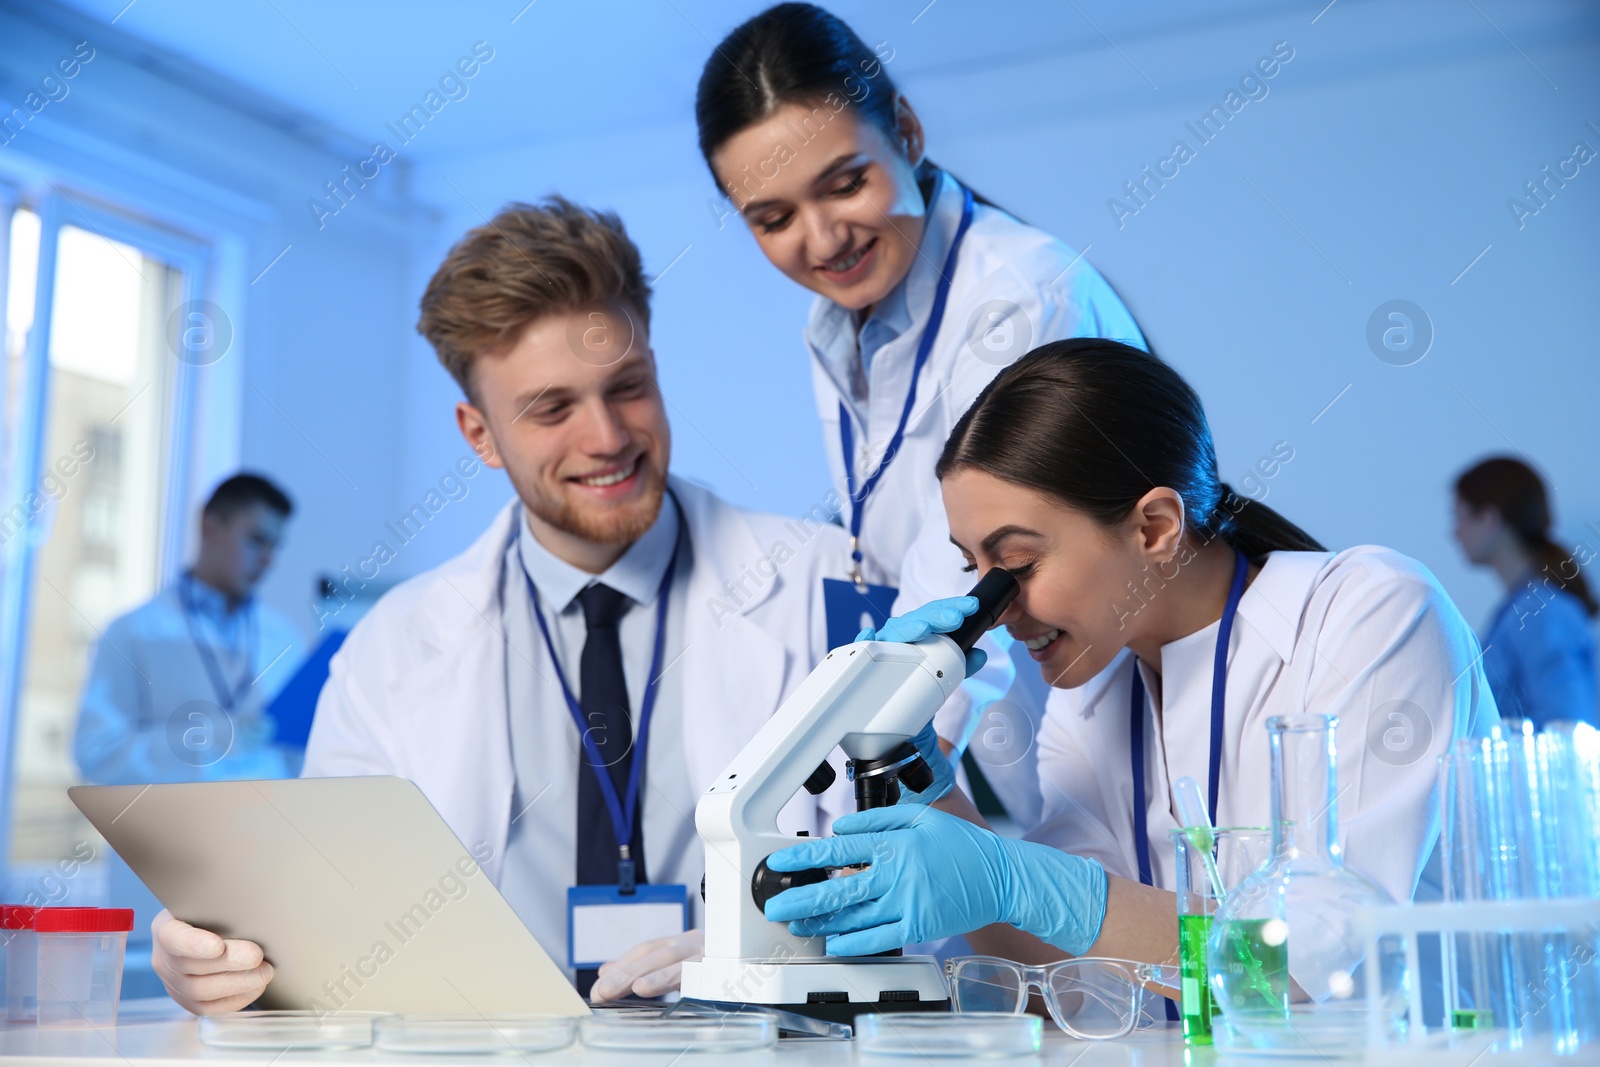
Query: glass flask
{"points": [[1285, 956]]}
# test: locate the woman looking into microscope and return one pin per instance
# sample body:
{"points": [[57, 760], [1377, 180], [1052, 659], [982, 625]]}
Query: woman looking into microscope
{"points": [[1088, 470]]}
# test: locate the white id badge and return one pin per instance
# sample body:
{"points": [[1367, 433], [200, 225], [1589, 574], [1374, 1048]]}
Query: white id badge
{"points": [[603, 922]]}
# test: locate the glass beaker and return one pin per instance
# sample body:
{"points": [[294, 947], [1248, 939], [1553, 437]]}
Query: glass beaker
{"points": [[1285, 956], [1234, 852]]}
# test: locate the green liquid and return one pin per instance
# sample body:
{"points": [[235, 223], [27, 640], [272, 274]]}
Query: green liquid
{"points": [[1255, 972], [1196, 1007]]}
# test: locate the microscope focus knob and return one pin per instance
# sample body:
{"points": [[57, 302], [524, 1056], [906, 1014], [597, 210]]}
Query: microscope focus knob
{"points": [[768, 883], [916, 775], [821, 779]]}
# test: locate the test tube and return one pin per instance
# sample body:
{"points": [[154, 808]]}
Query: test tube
{"points": [[1568, 763], [1572, 750], [1469, 989], [1238, 852], [1546, 993]]}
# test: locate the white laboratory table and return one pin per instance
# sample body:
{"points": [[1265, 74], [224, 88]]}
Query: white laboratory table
{"points": [[157, 1033]]}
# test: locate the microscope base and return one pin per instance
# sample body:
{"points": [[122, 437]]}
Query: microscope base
{"points": [[835, 989]]}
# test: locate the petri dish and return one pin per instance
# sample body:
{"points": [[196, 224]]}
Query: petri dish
{"points": [[467, 1034], [949, 1035], [624, 1033], [277, 1030]]}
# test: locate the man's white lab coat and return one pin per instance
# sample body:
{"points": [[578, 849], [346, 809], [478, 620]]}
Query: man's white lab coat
{"points": [[419, 687], [150, 711]]}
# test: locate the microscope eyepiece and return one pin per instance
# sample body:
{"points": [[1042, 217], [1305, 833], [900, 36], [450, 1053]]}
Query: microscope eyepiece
{"points": [[995, 592]]}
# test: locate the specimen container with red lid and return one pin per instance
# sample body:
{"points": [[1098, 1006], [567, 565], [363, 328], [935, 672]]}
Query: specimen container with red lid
{"points": [[81, 954]]}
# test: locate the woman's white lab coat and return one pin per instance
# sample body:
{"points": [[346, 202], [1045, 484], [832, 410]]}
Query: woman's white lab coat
{"points": [[1014, 288], [419, 687], [1367, 635]]}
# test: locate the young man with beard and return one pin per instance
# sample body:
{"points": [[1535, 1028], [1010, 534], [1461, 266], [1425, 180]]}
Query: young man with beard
{"points": [[471, 679]]}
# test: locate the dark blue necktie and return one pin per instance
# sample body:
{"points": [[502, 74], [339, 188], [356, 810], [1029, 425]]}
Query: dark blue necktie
{"points": [[603, 695]]}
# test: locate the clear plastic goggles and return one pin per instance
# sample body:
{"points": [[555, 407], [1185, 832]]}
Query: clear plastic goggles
{"points": [[1091, 998]]}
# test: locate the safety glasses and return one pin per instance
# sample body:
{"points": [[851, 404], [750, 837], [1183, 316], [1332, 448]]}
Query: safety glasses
{"points": [[1091, 998]]}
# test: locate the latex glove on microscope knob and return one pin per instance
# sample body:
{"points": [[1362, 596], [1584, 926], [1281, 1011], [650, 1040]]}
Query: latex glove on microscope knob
{"points": [[930, 875]]}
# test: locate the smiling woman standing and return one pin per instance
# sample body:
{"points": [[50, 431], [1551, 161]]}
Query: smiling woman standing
{"points": [[924, 292]]}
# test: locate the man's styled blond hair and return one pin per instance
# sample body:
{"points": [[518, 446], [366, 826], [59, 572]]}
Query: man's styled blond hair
{"points": [[529, 261]]}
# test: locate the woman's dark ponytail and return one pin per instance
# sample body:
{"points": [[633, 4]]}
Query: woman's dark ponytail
{"points": [[1516, 491], [1256, 529], [1097, 424]]}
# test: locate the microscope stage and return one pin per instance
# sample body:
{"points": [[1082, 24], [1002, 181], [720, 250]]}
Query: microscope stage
{"points": [[832, 988]]}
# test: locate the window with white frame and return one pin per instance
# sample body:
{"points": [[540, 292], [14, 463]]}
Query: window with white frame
{"points": [[96, 398]]}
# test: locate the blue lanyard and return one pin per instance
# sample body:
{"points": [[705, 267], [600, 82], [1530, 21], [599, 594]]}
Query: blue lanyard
{"points": [[930, 331], [227, 696], [1219, 689], [623, 811]]}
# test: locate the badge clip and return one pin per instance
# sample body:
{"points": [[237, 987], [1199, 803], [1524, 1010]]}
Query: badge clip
{"points": [[627, 880]]}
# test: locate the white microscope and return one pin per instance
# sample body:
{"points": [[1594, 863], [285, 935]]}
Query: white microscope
{"points": [[869, 699]]}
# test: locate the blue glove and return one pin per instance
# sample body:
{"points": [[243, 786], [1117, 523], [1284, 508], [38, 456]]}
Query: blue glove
{"points": [[934, 617], [934, 875]]}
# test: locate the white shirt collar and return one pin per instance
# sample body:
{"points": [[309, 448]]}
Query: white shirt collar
{"points": [[1274, 603], [637, 573], [1271, 605]]}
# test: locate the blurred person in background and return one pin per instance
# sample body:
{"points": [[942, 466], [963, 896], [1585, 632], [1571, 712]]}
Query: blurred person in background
{"points": [[1539, 648], [178, 687]]}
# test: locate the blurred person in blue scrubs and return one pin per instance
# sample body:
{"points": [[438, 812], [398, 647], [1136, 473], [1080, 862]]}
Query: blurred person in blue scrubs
{"points": [[178, 687], [1539, 649], [924, 292]]}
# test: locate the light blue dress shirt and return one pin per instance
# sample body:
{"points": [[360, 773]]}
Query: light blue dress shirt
{"points": [[852, 364], [541, 847], [1539, 656]]}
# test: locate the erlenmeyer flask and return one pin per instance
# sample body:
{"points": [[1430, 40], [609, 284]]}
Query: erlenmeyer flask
{"points": [[1285, 957]]}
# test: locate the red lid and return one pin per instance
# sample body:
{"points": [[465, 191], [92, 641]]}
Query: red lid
{"points": [[16, 916], [83, 920]]}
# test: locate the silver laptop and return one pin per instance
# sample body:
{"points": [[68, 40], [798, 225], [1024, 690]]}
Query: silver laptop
{"points": [[356, 889]]}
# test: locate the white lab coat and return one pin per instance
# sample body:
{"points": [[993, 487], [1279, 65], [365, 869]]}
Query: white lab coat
{"points": [[419, 687], [1367, 635], [136, 719], [1049, 292]]}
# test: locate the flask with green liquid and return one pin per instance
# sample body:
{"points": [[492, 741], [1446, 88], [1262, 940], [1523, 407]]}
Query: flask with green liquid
{"points": [[1285, 956]]}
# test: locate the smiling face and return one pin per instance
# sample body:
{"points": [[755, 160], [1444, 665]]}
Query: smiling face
{"points": [[832, 201], [1072, 610], [573, 413]]}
